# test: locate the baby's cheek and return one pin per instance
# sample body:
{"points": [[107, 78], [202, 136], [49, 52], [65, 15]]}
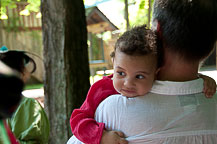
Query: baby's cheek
{"points": [[147, 88], [117, 85]]}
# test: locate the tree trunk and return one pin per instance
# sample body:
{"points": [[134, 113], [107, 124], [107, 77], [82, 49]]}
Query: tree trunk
{"points": [[126, 13], [149, 13], [66, 63]]}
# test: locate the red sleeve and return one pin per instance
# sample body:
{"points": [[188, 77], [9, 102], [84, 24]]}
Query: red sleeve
{"points": [[82, 122]]}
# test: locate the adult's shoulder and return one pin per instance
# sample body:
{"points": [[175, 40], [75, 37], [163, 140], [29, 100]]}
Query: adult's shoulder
{"points": [[111, 103], [122, 103], [110, 110], [119, 99], [113, 100]]}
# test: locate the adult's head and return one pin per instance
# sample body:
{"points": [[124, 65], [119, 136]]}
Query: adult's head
{"points": [[11, 87], [187, 27], [135, 62], [19, 61]]}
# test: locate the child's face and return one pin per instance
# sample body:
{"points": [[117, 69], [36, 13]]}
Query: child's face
{"points": [[134, 75]]}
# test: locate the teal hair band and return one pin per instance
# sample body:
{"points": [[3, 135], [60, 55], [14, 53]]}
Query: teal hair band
{"points": [[3, 49]]}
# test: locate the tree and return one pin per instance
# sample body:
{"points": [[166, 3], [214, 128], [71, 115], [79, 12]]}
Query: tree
{"points": [[66, 63], [143, 10], [126, 14]]}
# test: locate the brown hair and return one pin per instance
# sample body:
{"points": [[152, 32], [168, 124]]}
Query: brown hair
{"points": [[138, 41]]}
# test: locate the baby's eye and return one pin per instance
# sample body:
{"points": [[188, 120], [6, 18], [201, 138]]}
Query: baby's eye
{"points": [[140, 77], [121, 73]]}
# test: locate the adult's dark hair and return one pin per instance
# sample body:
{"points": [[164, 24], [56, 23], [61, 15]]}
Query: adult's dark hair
{"points": [[188, 27], [17, 60]]}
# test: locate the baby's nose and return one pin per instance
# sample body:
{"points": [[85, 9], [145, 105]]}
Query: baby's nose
{"points": [[129, 82]]}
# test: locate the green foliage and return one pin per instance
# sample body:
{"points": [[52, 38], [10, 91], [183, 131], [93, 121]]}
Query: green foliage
{"points": [[7, 3], [142, 11], [13, 25], [137, 16], [138, 11], [34, 5], [13, 21]]}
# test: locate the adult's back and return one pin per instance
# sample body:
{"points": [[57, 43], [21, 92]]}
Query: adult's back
{"points": [[172, 113]]}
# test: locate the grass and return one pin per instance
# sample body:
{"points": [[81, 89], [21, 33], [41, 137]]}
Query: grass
{"points": [[33, 86]]}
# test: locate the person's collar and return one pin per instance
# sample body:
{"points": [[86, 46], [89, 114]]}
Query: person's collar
{"points": [[177, 88]]}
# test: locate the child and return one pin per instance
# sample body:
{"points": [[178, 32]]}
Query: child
{"points": [[136, 66], [29, 122], [10, 98]]}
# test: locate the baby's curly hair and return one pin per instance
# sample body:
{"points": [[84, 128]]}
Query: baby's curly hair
{"points": [[136, 42]]}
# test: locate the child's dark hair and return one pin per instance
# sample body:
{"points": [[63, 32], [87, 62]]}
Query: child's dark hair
{"points": [[17, 60], [136, 42]]}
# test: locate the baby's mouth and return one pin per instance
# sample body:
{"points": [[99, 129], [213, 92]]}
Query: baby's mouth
{"points": [[128, 92]]}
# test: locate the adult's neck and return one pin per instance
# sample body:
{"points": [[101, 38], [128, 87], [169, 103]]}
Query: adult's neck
{"points": [[178, 69]]}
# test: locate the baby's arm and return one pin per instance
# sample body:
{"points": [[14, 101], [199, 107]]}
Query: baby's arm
{"points": [[82, 122], [209, 85]]}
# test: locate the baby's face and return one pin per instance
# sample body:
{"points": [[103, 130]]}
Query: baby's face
{"points": [[134, 75]]}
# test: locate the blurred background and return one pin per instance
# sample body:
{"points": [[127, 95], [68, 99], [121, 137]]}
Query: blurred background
{"points": [[21, 29]]}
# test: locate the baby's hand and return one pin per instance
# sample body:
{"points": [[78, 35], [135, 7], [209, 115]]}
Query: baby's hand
{"points": [[113, 137], [209, 86]]}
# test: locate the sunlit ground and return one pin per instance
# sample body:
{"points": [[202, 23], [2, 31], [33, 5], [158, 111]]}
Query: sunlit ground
{"points": [[210, 71]]}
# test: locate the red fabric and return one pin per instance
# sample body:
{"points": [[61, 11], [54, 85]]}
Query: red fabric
{"points": [[82, 122], [10, 134]]}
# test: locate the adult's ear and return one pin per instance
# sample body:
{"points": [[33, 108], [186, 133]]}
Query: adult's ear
{"points": [[157, 27], [159, 31], [156, 73]]}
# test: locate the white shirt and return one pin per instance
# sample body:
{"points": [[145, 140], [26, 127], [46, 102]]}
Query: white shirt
{"points": [[172, 113]]}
